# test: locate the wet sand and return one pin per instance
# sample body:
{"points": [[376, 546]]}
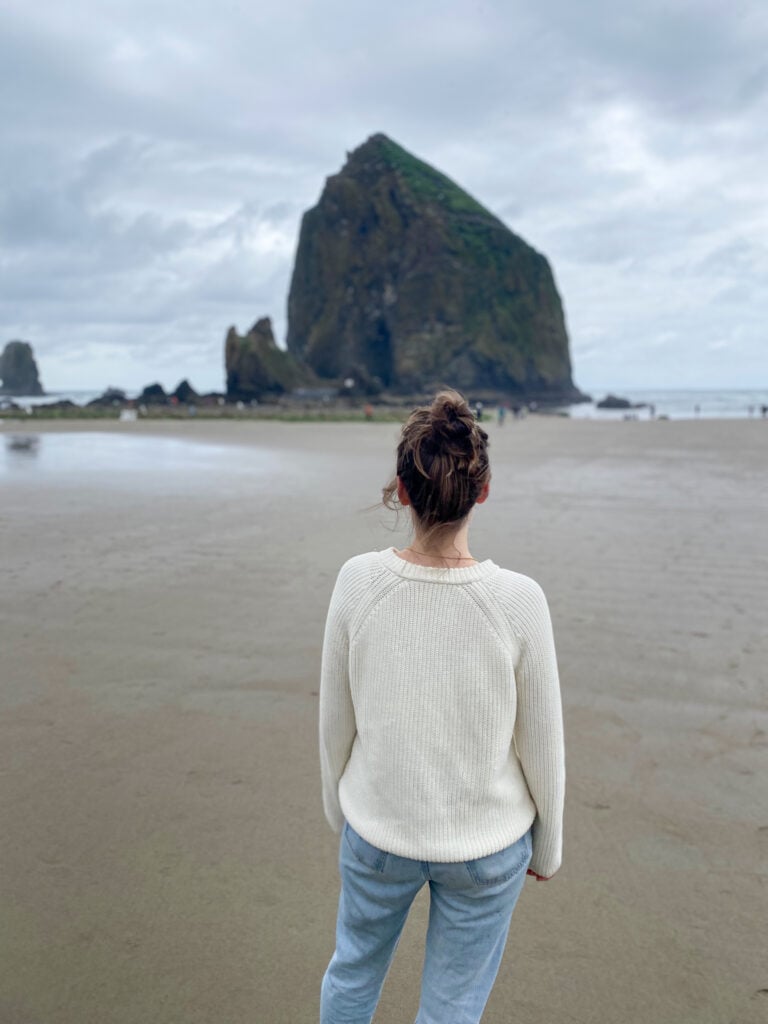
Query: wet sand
{"points": [[163, 855]]}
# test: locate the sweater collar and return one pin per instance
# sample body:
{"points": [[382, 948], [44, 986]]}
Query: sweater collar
{"points": [[431, 574]]}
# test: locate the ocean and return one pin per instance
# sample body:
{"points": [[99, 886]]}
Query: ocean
{"points": [[675, 404], [682, 404]]}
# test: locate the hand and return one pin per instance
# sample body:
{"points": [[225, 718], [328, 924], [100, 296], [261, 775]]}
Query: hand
{"points": [[539, 878]]}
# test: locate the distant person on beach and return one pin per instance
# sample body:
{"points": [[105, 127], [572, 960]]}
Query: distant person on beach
{"points": [[441, 738]]}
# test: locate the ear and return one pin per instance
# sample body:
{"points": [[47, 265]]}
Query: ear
{"points": [[483, 495], [402, 494]]}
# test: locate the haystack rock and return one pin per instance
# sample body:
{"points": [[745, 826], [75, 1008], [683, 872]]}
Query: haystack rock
{"points": [[18, 370], [403, 279], [256, 367]]}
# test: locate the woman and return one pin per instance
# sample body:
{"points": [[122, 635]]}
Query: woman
{"points": [[441, 738]]}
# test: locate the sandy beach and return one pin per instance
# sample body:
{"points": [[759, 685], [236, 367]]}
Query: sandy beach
{"points": [[164, 856]]}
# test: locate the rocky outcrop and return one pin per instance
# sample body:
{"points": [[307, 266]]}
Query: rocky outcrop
{"points": [[62, 405], [617, 402], [18, 370], [185, 393], [257, 368], [112, 396], [403, 281], [153, 394]]}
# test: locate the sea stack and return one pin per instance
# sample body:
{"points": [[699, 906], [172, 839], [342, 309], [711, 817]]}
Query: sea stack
{"points": [[404, 281], [18, 370], [256, 367]]}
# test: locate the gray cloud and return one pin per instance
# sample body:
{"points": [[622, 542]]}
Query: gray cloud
{"points": [[156, 160]]}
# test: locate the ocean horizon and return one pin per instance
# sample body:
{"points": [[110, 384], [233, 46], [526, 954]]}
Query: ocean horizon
{"points": [[677, 403], [674, 403]]}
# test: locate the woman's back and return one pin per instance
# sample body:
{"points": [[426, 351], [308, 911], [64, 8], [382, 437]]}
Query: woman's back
{"points": [[432, 661]]}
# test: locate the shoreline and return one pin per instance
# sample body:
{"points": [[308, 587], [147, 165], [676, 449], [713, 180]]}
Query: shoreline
{"points": [[534, 430]]}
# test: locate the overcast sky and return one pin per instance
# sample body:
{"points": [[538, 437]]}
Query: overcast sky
{"points": [[157, 156]]}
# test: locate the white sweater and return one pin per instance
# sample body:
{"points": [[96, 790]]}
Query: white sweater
{"points": [[441, 732]]}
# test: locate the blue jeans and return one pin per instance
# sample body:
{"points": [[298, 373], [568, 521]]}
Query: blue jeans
{"points": [[470, 909]]}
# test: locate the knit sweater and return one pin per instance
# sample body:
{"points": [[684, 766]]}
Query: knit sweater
{"points": [[441, 731]]}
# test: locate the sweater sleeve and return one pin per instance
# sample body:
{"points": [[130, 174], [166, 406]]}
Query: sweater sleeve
{"points": [[539, 731], [337, 715]]}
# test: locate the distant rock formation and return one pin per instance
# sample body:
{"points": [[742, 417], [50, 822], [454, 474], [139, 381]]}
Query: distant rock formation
{"points": [[112, 396], [185, 393], [403, 281], [256, 367], [617, 402], [60, 405], [153, 394], [18, 370]]}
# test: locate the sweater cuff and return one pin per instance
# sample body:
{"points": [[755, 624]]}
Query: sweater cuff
{"points": [[547, 850], [333, 814]]}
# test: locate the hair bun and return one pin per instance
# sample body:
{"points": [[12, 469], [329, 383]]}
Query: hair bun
{"points": [[450, 416], [442, 461]]}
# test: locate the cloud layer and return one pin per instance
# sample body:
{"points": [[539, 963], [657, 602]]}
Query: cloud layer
{"points": [[157, 159]]}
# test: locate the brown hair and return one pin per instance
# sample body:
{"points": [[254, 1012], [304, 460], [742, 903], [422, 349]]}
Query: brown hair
{"points": [[442, 460]]}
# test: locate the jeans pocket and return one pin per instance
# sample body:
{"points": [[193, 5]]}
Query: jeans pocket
{"points": [[501, 866], [368, 854]]}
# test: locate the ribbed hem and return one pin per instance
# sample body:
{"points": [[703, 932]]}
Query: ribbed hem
{"points": [[431, 574]]}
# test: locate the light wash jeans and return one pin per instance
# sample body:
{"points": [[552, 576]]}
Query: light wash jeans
{"points": [[470, 909]]}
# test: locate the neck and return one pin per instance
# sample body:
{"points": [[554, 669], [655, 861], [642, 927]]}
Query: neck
{"points": [[453, 550]]}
